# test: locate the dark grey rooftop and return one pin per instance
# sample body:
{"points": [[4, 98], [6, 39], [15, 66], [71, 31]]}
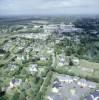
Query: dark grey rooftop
{"points": [[94, 94]]}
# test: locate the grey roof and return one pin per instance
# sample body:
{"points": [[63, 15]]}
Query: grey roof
{"points": [[95, 94], [88, 98], [82, 81], [91, 83], [57, 84], [15, 81]]}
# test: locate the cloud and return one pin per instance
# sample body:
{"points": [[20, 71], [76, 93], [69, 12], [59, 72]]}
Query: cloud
{"points": [[16, 7]]}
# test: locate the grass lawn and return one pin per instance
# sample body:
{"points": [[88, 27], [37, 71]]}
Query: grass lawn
{"points": [[72, 91], [96, 74], [78, 71], [86, 63], [74, 70]]}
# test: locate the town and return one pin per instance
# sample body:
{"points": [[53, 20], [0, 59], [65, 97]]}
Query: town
{"points": [[45, 60]]}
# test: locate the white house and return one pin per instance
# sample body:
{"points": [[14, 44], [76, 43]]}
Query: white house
{"points": [[42, 58], [55, 90], [27, 50], [49, 98], [33, 68], [37, 49], [91, 84], [65, 78], [36, 26], [15, 83], [75, 78], [57, 41], [82, 83], [20, 57], [62, 59]]}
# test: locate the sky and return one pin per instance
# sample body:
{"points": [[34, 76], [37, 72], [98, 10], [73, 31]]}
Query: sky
{"points": [[48, 7]]}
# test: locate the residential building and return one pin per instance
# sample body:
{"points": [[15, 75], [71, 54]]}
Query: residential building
{"points": [[15, 83]]}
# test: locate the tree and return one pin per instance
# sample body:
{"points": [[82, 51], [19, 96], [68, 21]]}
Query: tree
{"points": [[15, 96], [70, 62], [22, 96]]}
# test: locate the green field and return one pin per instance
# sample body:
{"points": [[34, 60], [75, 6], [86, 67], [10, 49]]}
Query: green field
{"points": [[86, 63]]}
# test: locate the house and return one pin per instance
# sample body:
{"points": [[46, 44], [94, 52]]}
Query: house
{"points": [[55, 90], [42, 58], [50, 50], [65, 78], [93, 96], [36, 26], [27, 50], [15, 83], [61, 61], [82, 83], [20, 57], [56, 83], [12, 66], [57, 41], [91, 84], [36, 49], [75, 78], [33, 68]]}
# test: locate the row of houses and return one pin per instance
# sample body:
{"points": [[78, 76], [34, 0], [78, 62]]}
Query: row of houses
{"points": [[81, 82], [64, 84]]}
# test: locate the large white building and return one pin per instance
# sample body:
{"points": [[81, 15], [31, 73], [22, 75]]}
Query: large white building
{"points": [[60, 28]]}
